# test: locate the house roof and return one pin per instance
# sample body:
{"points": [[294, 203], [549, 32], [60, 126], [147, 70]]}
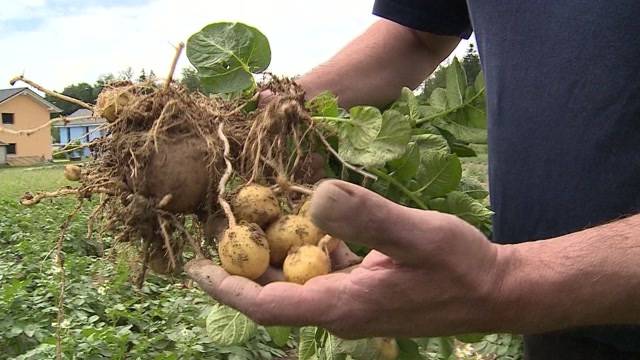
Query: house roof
{"points": [[8, 94], [81, 122]]}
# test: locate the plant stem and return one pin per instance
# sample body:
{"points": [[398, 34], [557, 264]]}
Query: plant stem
{"points": [[51, 93], [411, 195], [452, 110], [331, 118], [344, 163], [174, 63]]}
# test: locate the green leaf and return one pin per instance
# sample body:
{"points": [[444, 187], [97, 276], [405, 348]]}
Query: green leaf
{"points": [[406, 167], [469, 93], [408, 105], [226, 54], [364, 125], [361, 349], [462, 150], [463, 206], [307, 345], [227, 326], [458, 147], [431, 142], [440, 348], [439, 173], [456, 83], [473, 188], [463, 133], [470, 338], [479, 82], [389, 144], [324, 104], [409, 350], [330, 349], [475, 117], [279, 334], [438, 99]]}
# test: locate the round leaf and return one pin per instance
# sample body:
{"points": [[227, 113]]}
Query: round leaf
{"points": [[227, 326], [226, 54]]}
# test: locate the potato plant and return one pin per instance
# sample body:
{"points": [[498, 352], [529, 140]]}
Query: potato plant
{"points": [[174, 163]]}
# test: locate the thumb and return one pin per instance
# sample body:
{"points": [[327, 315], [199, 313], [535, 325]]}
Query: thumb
{"points": [[355, 214]]}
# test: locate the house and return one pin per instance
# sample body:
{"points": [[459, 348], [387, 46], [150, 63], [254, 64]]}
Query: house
{"points": [[21, 109], [3, 153], [82, 130]]}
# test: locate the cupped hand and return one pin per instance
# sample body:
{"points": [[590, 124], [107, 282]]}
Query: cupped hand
{"points": [[430, 274]]}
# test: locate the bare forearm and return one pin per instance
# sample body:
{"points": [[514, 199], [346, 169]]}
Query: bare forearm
{"points": [[591, 277], [374, 67]]}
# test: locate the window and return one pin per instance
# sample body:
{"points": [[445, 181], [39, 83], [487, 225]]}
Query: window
{"points": [[11, 148], [7, 118]]}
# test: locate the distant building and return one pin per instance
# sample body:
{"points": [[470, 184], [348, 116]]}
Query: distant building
{"points": [[3, 153], [82, 131], [22, 109]]}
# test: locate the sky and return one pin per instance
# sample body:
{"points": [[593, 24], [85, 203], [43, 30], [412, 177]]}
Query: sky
{"points": [[61, 42]]}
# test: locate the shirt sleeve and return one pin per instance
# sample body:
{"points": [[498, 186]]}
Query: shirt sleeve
{"points": [[440, 17]]}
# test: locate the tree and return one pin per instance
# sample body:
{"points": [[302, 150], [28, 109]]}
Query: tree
{"points": [[471, 63], [126, 74], [190, 79], [143, 76], [437, 80], [81, 91], [152, 76]]}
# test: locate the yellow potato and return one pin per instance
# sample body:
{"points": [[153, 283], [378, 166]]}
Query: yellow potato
{"points": [[256, 204], [290, 231], [244, 251], [305, 263]]}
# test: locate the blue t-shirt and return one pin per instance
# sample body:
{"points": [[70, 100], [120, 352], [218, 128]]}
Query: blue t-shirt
{"points": [[563, 101]]}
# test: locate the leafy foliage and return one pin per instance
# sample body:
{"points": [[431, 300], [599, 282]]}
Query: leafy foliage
{"points": [[106, 317], [227, 54]]}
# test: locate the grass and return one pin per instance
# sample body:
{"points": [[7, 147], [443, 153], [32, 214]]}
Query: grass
{"points": [[14, 182]]}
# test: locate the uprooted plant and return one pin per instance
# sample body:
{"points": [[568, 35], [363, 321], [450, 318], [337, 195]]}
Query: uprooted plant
{"points": [[214, 176]]}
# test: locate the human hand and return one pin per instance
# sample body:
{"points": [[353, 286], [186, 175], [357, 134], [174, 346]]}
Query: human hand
{"points": [[430, 274]]}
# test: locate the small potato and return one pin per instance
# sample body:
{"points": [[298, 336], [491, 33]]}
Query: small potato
{"points": [[244, 251], [290, 231], [256, 204], [72, 172], [305, 263], [387, 348]]}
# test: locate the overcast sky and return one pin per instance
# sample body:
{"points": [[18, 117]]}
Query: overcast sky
{"points": [[59, 42]]}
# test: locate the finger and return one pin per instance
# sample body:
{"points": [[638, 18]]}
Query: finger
{"points": [[271, 275], [277, 303], [264, 98], [342, 257], [355, 214]]}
